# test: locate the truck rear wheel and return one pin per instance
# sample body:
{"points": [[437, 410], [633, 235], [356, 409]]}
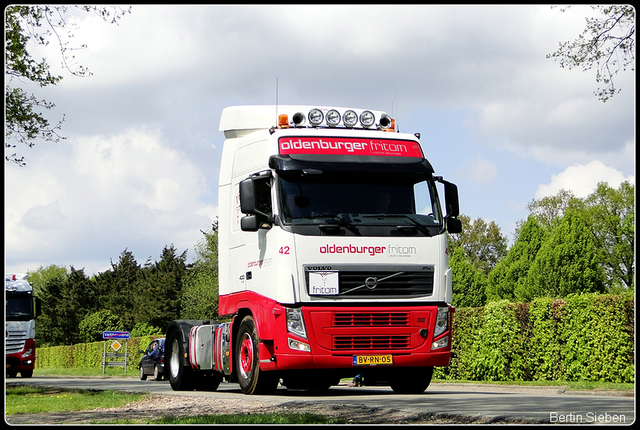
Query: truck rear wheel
{"points": [[252, 380], [414, 380], [180, 377]]}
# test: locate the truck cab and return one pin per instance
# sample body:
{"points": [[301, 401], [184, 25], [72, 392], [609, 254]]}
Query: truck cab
{"points": [[332, 250]]}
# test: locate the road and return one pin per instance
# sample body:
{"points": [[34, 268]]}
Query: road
{"points": [[467, 401]]}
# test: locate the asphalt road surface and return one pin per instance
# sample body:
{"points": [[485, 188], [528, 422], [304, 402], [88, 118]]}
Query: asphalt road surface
{"points": [[467, 401]]}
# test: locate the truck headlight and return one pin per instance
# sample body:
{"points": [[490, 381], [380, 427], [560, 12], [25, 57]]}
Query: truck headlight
{"points": [[295, 322], [440, 343], [442, 321]]}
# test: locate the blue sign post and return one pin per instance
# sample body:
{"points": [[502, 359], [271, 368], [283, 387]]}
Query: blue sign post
{"points": [[115, 334], [108, 335]]}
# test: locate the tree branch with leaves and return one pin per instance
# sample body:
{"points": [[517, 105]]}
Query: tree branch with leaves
{"points": [[25, 122], [607, 43]]}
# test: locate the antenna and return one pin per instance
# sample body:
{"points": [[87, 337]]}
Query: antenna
{"points": [[394, 111], [277, 100]]}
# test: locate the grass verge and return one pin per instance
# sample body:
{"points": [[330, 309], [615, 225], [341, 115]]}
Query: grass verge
{"points": [[33, 400]]}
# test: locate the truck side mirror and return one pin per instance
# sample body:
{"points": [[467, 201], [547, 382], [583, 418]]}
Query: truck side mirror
{"points": [[454, 225], [255, 199], [249, 223], [247, 196], [38, 307], [451, 199]]}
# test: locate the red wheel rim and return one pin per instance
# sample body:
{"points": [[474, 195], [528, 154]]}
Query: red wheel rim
{"points": [[246, 355]]}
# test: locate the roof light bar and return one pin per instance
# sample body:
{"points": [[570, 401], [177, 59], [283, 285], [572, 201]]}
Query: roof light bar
{"points": [[332, 117]]}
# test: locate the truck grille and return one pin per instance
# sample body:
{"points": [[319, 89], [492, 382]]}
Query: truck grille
{"points": [[370, 319], [404, 284], [363, 281], [15, 341], [341, 343]]}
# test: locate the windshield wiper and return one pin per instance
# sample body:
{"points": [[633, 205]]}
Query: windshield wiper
{"points": [[419, 226], [341, 221]]}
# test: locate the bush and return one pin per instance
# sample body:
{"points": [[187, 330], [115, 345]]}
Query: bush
{"points": [[92, 326], [587, 337]]}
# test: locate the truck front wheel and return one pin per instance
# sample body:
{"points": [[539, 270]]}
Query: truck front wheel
{"points": [[413, 380], [252, 380], [180, 377]]}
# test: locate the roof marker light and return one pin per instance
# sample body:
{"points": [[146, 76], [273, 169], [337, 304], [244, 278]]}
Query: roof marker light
{"points": [[298, 119], [385, 122], [367, 118], [333, 118], [350, 118], [315, 117]]}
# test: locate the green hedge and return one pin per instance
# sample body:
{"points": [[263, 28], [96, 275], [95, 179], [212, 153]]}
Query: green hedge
{"points": [[89, 355], [587, 337]]}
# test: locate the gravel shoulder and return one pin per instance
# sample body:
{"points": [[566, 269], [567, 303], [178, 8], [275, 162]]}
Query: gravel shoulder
{"points": [[154, 406]]}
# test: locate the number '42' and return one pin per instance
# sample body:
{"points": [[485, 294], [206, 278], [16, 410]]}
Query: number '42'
{"points": [[284, 250]]}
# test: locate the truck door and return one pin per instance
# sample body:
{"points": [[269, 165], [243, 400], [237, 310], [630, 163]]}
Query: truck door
{"points": [[258, 261]]}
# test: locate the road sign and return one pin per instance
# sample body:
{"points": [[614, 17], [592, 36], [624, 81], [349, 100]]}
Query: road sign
{"points": [[115, 335], [116, 345]]}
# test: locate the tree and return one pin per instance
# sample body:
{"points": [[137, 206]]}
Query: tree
{"points": [[38, 24], [469, 283], [159, 289], [608, 43], [49, 331], [549, 210], [511, 273], [93, 325], [65, 303], [567, 263], [610, 215], [40, 277], [115, 287], [200, 290], [482, 242]]}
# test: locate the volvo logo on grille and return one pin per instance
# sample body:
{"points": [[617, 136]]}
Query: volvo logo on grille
{"points": [[371, 282]]}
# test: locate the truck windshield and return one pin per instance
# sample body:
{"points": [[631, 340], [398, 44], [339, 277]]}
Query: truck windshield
{"points": [[19, 307], [360, 204]]}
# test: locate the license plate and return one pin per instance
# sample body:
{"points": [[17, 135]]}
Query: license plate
{"points": [[372, 360]]}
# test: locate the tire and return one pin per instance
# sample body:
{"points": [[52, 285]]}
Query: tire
{"points": [[209, 382], [411, 380], [180, 377], [252, 380], [26, 373], [143, 376], [157, 375]]}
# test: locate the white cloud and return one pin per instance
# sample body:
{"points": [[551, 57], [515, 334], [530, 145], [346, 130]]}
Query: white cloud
{"points": [[582, 180], [129, 190]]}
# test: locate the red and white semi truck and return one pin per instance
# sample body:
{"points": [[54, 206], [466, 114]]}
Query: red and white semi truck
{"points": [[332, 256], [21, 310]]}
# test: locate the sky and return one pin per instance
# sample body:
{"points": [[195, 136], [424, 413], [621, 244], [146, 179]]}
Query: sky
{"points": [[139, 167]]}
